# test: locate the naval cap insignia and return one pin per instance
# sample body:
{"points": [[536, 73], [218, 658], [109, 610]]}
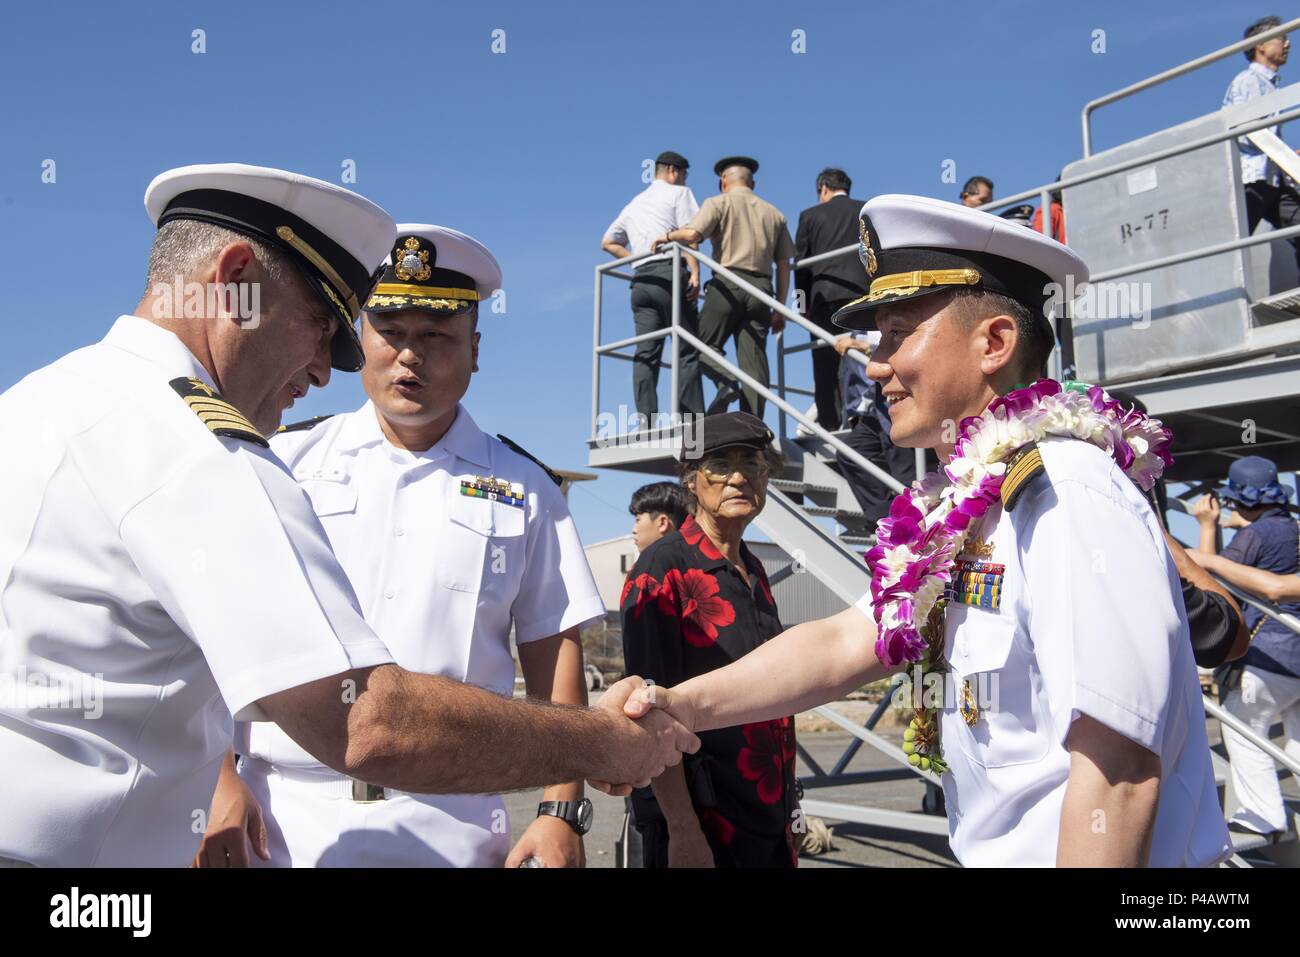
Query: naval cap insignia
{"points": [[411, 262], [865, 252]]}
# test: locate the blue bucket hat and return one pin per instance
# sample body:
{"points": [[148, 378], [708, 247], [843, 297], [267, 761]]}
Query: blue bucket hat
{"points": [[1252, 482]]}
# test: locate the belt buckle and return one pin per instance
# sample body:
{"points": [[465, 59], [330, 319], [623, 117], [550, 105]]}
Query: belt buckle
{"points": [[363, 793]]}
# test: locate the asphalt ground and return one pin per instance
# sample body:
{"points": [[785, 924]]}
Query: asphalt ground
{"points": [[855, 845]]}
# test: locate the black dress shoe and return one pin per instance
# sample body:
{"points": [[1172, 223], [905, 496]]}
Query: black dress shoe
{"points": [[724, 398]]}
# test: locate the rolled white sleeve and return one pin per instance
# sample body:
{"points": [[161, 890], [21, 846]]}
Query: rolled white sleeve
{"points": [[617, 231], [558, 591], [1102, 617], [235, 554]]}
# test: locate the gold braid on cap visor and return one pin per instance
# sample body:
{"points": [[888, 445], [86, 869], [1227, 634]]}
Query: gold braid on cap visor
{"points": [[906, 283], [435, 292], [332, 278]]}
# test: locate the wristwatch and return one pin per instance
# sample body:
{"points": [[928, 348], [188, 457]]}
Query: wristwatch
{"points": [[576, 814]]}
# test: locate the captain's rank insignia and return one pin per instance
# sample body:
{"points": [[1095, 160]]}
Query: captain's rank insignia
{"points": [[216, 413], [1025, 466]]}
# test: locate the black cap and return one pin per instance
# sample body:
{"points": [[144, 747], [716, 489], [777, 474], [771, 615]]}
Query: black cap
{"points": [[412, 279], [669, 158], [728, 429], [729, 161]]}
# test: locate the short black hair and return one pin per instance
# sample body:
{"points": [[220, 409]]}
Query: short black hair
{"points": [[1259, 26], [661, 498], [834, 179], [974, 183], [1036, 341]]}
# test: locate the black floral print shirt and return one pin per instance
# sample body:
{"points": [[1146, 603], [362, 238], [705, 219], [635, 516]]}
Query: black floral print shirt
{"points": [[686, 611]]}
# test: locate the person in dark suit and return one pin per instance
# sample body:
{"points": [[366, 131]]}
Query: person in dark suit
{"points": [[826, 286]]}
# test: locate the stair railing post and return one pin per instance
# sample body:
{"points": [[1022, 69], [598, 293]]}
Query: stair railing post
{"points": [[595, 361], [673, 407]]}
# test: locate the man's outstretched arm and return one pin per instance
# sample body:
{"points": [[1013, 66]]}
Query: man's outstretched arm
{"points": [[808, 665], [430, 734]]}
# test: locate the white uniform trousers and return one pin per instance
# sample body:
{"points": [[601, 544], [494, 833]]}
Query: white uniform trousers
{"points": [[1260, 699], [312, 821]]}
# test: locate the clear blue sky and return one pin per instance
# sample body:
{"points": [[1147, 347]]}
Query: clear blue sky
{"points": [[533, 151]]}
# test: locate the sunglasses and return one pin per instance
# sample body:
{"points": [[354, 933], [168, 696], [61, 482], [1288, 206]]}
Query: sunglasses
{"points": [[719, 468]]}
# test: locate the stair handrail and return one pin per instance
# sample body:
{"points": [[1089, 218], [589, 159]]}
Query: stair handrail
{"points": [[675, 250], [721, 361], [1260, 603], [1146, 159], [1174, 72], [1225, 716]]}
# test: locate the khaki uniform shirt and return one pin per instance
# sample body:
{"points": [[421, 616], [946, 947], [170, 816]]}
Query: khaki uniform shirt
{"points": [[747, 232]]}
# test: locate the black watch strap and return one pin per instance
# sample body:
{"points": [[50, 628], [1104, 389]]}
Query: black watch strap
{"points": [[568, 811]]}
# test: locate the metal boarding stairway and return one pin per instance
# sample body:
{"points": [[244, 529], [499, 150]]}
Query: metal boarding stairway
{"points": [[800, 503], [1202, 390]]}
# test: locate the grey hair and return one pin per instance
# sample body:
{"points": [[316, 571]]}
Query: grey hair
{"points": [[184, 246], [741, 173]]}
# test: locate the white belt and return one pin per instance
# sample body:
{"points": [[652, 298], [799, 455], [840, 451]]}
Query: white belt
{"points": [[326, 781]]}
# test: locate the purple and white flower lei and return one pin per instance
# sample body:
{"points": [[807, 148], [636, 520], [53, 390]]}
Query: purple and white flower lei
{"points": [[918, 542]]}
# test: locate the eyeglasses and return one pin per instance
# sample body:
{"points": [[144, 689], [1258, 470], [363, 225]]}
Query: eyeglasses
{"points": [[720, 468]]}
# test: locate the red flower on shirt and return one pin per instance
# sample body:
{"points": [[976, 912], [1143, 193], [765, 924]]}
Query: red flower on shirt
{"points": [[717, 826], [769, 748], [693, 596], [694, 535], [647, 591]]}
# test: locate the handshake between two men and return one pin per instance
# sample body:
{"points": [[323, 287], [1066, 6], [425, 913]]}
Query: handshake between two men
{"points": [[660, 712]]}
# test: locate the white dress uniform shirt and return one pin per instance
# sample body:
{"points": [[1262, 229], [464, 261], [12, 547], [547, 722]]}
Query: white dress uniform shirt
{"points": [[443, 575], [1090, 623], [655, 211], [180, 575]]}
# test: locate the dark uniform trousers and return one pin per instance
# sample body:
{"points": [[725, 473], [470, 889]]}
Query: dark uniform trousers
{"points": [[870, 439], [652, 310], [826, 365], [1280, 205], [729, 312]]}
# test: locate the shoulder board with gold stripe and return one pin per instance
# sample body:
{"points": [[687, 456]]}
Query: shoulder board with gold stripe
{"points": [[1023, 468], [216, 413], [513, 447], [304, 425]]}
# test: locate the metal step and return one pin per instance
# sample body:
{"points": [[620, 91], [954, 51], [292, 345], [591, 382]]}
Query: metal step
{"points": [[864, 540], [1253, 842], [798, 487], [816, 548], [824, 511], [1279, 306]]}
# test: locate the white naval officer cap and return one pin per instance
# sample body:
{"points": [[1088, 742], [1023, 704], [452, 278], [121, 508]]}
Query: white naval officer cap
{"points": [[435, 269], [336, 237], [911, 246]]}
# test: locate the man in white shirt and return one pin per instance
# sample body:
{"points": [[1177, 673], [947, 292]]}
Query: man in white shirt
{"points": [[666, 204], [404, 487], [1269, 195], [156, 554], [1085, 744]]}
